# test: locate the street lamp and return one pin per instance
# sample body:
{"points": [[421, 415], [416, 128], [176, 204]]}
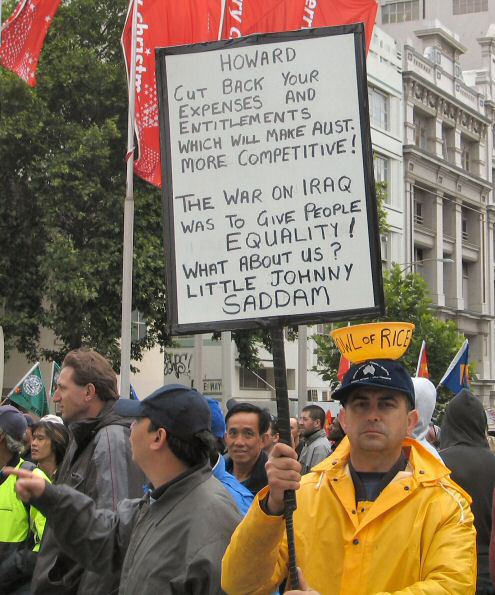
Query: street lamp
{"points": [[415, 262]]}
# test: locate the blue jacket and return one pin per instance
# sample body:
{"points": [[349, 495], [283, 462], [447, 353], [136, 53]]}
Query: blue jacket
{"points": [[241, 495]]}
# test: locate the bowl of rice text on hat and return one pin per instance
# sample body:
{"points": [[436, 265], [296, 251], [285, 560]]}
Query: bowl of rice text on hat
{"points": [[375, 340]]}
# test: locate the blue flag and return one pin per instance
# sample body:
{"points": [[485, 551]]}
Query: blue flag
{"points": [[133, 395], [457, 375]]}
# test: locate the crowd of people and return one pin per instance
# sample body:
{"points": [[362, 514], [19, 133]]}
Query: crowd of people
{"points": [[169, 495]]}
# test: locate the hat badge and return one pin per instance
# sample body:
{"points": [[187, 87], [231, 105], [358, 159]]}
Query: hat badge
{"points": [[370, 370]]}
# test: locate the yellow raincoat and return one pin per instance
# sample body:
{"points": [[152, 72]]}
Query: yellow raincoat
{"points": [[416, 538]]}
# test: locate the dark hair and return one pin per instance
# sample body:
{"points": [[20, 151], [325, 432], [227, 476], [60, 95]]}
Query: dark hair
{"points": [[89, 367], [192, 452], [263, 415], [58, 435], [316, 412]]}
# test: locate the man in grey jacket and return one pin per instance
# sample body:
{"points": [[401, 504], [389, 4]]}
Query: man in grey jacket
{"points": [[316, 445], [170, 541], [98, 463]]}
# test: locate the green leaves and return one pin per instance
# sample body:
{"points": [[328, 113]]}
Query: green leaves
{"points": [[407, 300], [62, 180]]}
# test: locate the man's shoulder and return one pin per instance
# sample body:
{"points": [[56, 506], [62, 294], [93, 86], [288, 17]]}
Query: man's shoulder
{"points": [[112, 435]]}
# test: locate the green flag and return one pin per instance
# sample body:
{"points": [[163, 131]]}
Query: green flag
{"points": [[30, 392], [54, 378]]}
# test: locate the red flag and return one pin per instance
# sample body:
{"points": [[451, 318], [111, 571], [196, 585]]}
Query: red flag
{"points": [[344, 366], [23, 35], [328, 13], [422, 369], [165, 22], [328, 421], [161, 23], [264, 16]]}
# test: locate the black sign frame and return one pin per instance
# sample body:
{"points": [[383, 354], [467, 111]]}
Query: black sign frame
{"points": [[270, 322]]}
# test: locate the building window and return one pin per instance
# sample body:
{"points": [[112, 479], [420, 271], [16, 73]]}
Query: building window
{"points": [[138, 326], [384, 244], [378, 108], [418, 212], [465, 283], [382, 169], [253, 380], [421, 127], [382, 175], [312, 394], [465, 157], [419, 258], [399, 12], [325, 395], [465, 234], [469, 6], [468, 154], [448, 149]]}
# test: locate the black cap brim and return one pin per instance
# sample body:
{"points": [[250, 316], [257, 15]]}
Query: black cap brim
{"points": [[343, 392], [129, 408]]}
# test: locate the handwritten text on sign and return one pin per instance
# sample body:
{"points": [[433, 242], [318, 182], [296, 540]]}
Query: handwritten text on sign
{"points": [[269, 204]]}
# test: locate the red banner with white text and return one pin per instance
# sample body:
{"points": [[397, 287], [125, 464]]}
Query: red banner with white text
{"points": [[329, 13], [161, 23], [244, 17], [166, 22], [23, 35]]}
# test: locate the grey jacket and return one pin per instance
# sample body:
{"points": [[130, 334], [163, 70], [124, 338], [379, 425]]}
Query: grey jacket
{"points": [[170, 545], [98, 463], [315, 449]]}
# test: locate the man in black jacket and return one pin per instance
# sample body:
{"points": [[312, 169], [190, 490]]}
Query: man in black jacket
{"points": [[464, 450], [170, 541], [98, 463]]}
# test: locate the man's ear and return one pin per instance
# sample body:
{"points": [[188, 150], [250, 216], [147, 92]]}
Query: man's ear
{"points": [[90, 392], [160, 439], [412, 421], [342, 419]]}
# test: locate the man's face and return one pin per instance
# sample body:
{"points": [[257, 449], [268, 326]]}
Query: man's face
{"points": [[243, 439], [336, 432], [72, 398], [377, 420], [140, 437], [294, 430], [308, 424]]}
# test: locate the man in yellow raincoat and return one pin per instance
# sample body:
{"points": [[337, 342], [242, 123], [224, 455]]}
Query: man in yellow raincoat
{"points": [[380, 515]]}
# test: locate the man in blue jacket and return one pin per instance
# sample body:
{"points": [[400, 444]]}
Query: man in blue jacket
{"points": [[241, 495]]}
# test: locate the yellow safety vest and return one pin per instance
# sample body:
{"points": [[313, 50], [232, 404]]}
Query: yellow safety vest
{"points": [[14, 522], [36, 520]]}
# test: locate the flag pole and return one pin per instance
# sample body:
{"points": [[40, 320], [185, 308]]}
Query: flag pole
{"points": [[222, 18], [423, 343], [128, 248]]}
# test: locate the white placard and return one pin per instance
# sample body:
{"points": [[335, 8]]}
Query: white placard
{"points": [[268, 193]]}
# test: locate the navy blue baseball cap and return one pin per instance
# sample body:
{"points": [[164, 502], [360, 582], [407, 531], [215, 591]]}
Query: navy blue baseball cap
{"points": [[181, 410], [376, 374], [12, 422], [217, 420]]}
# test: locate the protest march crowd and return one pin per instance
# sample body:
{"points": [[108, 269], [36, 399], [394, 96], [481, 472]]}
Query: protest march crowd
{"points": [[168, 495]]}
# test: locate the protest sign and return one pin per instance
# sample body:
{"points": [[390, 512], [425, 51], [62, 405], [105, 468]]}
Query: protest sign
{"points": [[270, 206]]}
